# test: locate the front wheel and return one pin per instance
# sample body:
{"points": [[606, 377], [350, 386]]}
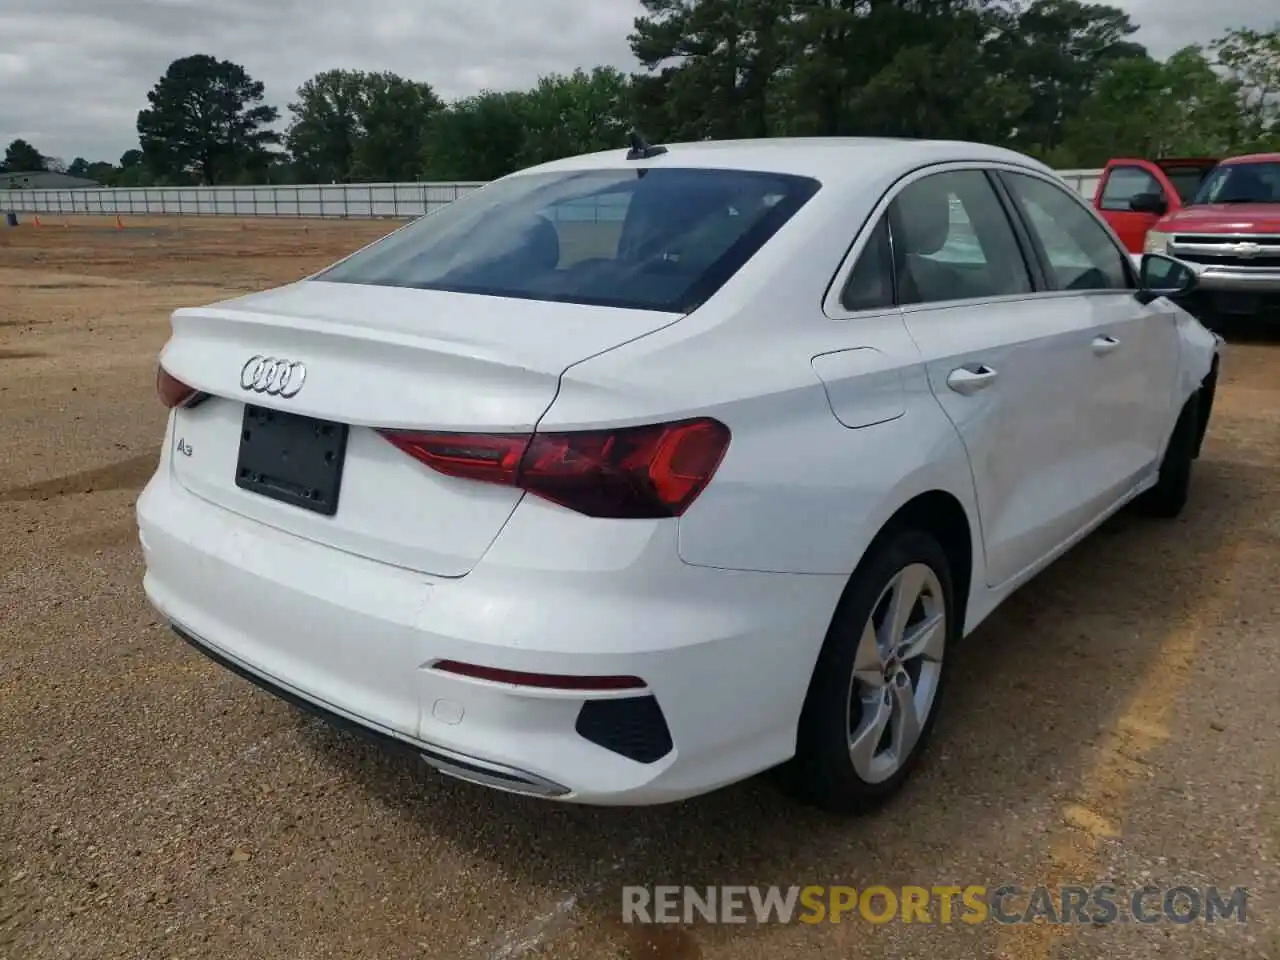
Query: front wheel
{"points": [[874, 696]]}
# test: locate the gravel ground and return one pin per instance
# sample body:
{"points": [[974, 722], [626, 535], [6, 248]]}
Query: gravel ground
{"points": [[1114, 722]]}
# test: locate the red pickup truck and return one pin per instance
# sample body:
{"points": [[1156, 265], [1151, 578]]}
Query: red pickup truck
{"points": [[1220, 217]]}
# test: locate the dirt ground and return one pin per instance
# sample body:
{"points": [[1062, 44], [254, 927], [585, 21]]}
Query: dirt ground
{"points": [[1115, 722]]}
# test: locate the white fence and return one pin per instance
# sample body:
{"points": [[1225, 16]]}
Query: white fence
{"points": [[338, 200], [361, 200], [1085, 181]]}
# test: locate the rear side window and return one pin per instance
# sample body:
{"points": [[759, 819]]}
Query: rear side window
{"points": [[1080, 252], [1186, 180], [953, 241], [870, 285], [652, 239], [1125, 183]]}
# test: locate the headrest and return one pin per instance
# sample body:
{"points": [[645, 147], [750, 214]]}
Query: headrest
{"points": [[924, 218], [540, 246]]}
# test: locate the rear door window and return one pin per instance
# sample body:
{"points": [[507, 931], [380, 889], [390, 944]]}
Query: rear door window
{"points": [[1186, 180], [953, 241], [1079, 251], [654, 239]]}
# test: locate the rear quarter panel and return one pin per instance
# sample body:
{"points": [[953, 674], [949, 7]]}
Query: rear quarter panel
{"points": [[799, 491]]}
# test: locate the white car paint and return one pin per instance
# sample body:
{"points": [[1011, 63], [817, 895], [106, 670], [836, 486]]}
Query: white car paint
{"points": [[838, 419]]}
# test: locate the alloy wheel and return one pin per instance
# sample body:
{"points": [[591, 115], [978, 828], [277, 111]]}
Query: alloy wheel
{"points": [[896, 670]]}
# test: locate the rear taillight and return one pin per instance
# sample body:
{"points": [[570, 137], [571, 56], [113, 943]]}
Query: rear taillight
{"points": [[631, 473], [173, 392]]}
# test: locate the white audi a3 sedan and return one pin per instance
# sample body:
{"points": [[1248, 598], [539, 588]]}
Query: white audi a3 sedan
{"points": [[632, 475]]}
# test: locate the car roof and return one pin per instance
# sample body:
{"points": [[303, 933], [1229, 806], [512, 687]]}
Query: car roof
{"points": [[828, 159], [1255, 158]]}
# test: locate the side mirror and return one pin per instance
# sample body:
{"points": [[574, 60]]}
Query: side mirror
{"points": [[1149, 203], [1161, 276]]}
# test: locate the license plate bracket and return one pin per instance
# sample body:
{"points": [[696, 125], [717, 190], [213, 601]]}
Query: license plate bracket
{"points": [[291, 458]]}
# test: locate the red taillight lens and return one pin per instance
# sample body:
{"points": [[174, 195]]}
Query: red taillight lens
{"points": [[491, 457], [631, 473], [173, 392], [548, 681], [653, 471]]}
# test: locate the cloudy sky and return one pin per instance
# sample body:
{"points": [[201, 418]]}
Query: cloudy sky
{"points": [[74, 73]]}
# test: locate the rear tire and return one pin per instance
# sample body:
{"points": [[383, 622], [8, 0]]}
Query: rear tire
{"points": [[875, 692], [1167, 498]]}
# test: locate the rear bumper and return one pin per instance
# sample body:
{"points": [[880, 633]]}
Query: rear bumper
{"points": [[726, 655], [466, 768]]}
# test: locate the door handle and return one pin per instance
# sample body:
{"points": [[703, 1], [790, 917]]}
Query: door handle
{"points": [[969, 380], [1104, 345]]}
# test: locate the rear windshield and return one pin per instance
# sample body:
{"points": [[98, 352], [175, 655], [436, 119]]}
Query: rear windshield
{"points": [[654, 239], [1242, 183], [1186, 180]]}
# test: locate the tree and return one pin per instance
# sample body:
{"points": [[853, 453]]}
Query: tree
{"points": [[1146, 108], [395, 115], [579, 113], [21, 156], [206, 118], [103, 172], [354, 125], [1062, 80], [79, 167], [718, 60], [1252, 59], [1058, 50], [326, 127], [478, 138], [940, 90]]}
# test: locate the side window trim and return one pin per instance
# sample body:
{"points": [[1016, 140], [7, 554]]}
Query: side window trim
{"points": [[1038, 253], [1126, 262], [893, 259], [831, 306], [1028, 246]]}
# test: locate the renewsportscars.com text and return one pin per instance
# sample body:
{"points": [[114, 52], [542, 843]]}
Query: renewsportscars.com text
{"points": [[944, 904]]}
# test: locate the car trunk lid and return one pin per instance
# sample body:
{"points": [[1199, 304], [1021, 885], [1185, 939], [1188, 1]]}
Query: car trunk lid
{"points": [[374, 357]]}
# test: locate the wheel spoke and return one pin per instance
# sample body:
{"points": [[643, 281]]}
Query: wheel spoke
{"points": [[866, 739], [907, 586], [868, 660], [926, 639], [906, 721]]}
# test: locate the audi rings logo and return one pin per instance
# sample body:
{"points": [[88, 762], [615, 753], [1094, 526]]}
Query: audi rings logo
{"points": [[273, 376]]}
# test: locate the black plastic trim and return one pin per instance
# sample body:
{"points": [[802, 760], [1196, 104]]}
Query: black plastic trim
{"points": [[632, 727]]}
